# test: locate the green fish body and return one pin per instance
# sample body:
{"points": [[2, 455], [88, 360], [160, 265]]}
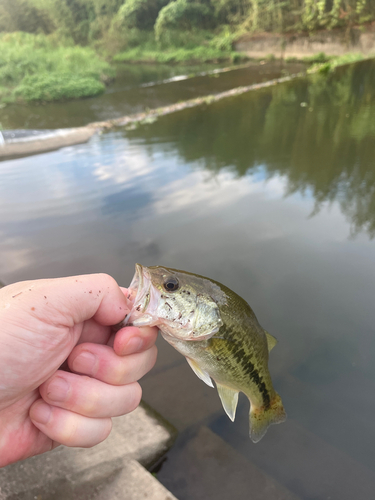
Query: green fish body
{"points": [[218, 333]]}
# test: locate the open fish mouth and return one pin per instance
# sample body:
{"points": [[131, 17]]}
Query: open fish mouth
{"points": [[141, 295], [136, 286]]}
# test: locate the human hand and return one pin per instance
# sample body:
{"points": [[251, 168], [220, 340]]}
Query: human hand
{"points": [[45, 323]]}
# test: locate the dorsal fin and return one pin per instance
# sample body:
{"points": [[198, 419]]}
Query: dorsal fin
{"points": [[271, 341]]}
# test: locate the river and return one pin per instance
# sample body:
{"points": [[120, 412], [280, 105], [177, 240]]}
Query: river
{"points": [[271, 193], [139, 87]]}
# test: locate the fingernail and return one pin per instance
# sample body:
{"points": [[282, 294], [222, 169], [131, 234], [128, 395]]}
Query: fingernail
{"points": [[85, 363], [41, 413], [58, 390], [135, 344]]}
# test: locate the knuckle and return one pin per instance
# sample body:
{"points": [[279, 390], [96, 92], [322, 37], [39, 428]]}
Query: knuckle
{"points": [[107, 280]]}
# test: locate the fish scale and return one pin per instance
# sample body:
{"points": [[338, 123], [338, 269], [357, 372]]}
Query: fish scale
{"points": [[218, 333]]}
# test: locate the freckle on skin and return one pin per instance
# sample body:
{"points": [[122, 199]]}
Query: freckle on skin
{"points": [[33, 308], [90, 291]]}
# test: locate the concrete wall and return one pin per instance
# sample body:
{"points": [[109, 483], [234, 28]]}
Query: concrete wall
{"points": [[335, 42], [54, 140]]}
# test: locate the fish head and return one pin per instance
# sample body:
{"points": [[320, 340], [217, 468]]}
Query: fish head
{"points": [[183, 305]]}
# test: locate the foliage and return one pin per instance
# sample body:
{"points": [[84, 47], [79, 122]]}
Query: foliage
{"points": [[182, 15], [333, 13], [57, 86], [22, 15], [178, 54], [23, 56], [140, 14], [38, 36], [333, 62], [321, 57], [5, 95], [225, 39], [90, 21]]}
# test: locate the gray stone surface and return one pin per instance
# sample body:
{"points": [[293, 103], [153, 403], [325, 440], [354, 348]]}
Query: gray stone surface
{"points": [[29, 145], [109, 481], [333, 42], [140, 436], [203, 466]]}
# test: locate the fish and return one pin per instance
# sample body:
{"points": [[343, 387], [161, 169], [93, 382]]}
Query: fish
{"points": [[217, 332]]}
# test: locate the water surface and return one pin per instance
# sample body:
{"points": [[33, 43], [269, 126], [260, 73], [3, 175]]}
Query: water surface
{"points": [[272, 193], [141, 87]]}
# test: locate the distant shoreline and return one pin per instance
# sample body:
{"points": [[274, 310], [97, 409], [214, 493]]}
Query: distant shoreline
{"points": [[68, 137], [335, 42], [83, 134]]}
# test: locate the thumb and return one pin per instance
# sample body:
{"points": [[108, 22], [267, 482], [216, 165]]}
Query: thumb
{"points": [[67, 301]]}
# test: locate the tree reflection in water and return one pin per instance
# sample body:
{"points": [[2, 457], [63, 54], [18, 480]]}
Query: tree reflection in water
{"points": [[318, 132]]}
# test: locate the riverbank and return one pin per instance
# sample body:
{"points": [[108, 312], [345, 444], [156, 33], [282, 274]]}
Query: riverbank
{"points": [[50, 140], [37, 68], [30, 142], [337, 42], [25, 142]]}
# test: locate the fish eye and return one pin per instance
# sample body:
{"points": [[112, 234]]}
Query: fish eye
{"points": [[171, 284]]}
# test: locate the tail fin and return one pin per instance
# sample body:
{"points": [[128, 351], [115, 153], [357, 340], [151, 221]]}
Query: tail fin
{"points": [[261, 418]]}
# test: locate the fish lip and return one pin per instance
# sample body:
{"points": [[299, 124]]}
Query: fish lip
{"points": [[138, 290]]}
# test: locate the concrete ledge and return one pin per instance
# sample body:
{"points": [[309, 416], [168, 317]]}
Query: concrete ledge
{"points": [[142, 435], [334, 43], [48, 142], [114, 480]]}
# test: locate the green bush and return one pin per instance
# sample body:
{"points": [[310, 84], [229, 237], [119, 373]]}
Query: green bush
{"points": [[22, 15], [182, 15], [56, 72], [225, 40], [56, 86], [334, 62], [140, 14], [23, 54], [321, 57], [5, 95], [177, 55]]}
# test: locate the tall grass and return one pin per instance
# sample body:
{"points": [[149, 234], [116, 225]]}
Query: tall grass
{"points": [[28, 60], [179, 47]]}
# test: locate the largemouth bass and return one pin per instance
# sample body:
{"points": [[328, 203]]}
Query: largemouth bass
{"points": [[217, 332]]}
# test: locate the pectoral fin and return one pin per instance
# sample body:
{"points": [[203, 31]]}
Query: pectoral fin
{"points": [[229, 399], [271, 341], [199, 372]]}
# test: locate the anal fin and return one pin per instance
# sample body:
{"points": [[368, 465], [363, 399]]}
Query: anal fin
{"points": [[203, 375], [229, 400]]}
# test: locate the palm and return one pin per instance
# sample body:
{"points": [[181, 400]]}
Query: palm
{"points": [[21, 439]]}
